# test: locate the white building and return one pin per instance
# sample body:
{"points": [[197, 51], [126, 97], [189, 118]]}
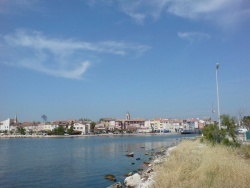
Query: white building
{"points": [[6, 124], [46, 126], [193, 123], [84, 128], [147, 124], [166, 125]]}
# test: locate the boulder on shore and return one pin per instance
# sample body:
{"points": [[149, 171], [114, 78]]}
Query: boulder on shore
{"points": [[133, 181]]}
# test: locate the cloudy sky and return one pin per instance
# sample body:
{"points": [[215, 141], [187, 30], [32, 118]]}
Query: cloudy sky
{"points": [[102, 58]]}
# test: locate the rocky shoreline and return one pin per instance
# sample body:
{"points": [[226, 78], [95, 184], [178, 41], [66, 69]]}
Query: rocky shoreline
{"points": [[147, 177]]}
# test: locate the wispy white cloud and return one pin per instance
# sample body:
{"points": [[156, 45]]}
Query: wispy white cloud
{"points": [[59, 57], [226, 12], [138, 10], [223, 12], [192, 9], [142, 9], [194, 36]]}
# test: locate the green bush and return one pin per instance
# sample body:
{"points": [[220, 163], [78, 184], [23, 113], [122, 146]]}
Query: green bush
{"points": [[213, 134], [226, 136]]}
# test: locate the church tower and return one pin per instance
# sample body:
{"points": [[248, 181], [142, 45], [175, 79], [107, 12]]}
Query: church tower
{"points": [[15, 119], [128, 116]]}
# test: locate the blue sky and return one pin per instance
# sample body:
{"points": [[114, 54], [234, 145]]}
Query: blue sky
{"points": [[102, 58]]}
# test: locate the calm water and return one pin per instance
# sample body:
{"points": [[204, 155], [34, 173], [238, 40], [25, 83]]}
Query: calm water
{"points": [[73, 162]]}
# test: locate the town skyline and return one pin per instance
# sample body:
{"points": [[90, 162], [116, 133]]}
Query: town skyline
{"points": [[97, 58], [44, 118]]}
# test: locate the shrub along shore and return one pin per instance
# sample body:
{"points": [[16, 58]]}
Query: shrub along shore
{"points": [[195, 164]]}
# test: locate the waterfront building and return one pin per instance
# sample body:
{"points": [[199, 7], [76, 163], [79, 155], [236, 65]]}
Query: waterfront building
{"points": [[46, 126], [100, 127], [111, 124], [30, 127], [144, 130], [177, 124], [108, 123], [209, 121], [147, 124], [156, 125], [84, 128], [119, 124], [6, 124], [136, 122], [166, 125], [201, 124]]}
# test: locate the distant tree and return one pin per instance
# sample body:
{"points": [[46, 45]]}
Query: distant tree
{"points": [[48, 132], [21, 130], [152, 128], [71, 130], [44, 117], [84, 119], [229, 122], [58, 131], [31, 131], [92, 126], [246, 121], [101, 119]]}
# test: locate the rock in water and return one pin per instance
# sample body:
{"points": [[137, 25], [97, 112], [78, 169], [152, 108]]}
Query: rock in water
{"points": [[128, 174], [110, 177], [133, 181], [130, 154]]}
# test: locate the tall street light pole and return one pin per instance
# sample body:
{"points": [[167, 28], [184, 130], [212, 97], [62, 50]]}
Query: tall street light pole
{"points": [[217, 87]]}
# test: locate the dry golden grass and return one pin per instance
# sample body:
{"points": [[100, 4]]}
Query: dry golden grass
{"points": [[196, 165], [244, 152]]}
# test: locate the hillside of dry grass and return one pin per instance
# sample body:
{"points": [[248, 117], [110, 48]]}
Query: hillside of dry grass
{"points": [[195, 165]]}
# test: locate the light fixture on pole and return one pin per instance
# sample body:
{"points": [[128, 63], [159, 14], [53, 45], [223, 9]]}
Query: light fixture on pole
{"points": [[217, 87]]}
